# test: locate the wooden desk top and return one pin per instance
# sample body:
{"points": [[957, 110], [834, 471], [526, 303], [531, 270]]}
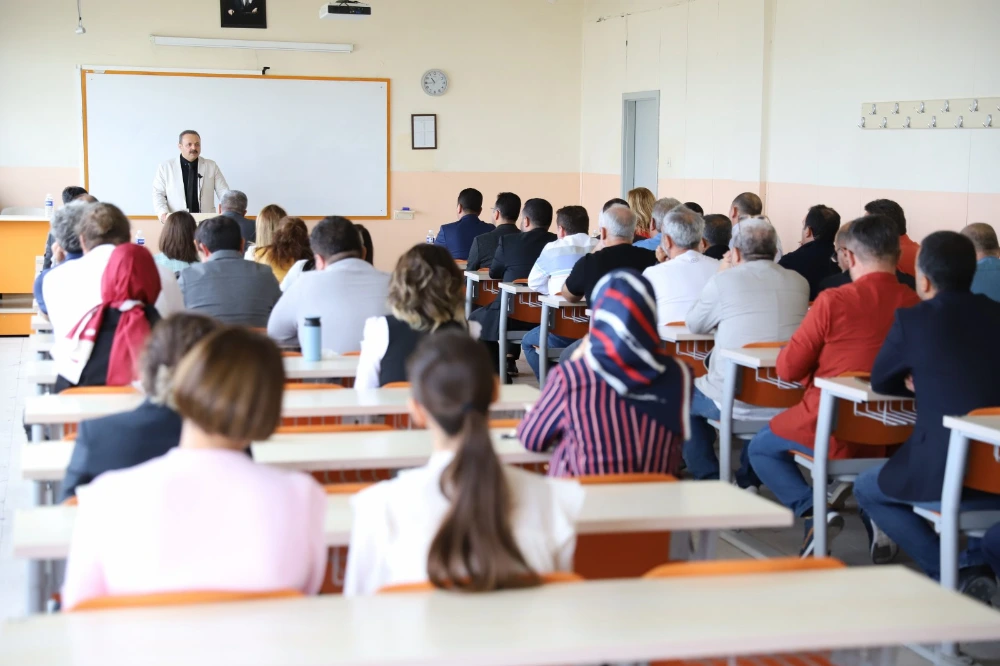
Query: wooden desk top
{"points": [[676, 618], [480, 276], [54, 409], [980, 428], [41, 324], [554, 301], [682, 334], [763, 357], [855, 390], [41, 342], [518, 288], [44, 532]]}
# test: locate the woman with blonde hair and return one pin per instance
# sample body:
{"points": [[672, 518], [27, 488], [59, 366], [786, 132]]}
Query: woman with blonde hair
{"points": [[205, 516], [289, 245], [267, 224], [425, 295], [641, 201]]}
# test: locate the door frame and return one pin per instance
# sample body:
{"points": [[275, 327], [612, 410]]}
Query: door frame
{"points": [[628, 135]]}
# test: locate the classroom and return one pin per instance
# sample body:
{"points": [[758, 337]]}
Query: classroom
{"points": [[429, 331]]}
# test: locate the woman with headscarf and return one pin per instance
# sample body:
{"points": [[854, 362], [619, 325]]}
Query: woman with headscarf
{"points": [[620, 405], [107, 341]]}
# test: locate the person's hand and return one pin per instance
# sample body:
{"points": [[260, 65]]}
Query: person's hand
{"points": [[231, 12], [661, 256], [58, 254], [163, 218], [727, 262], [581, 350], [908, 383]]}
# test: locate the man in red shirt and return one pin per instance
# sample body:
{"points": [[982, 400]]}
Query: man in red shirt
{"points": [[842, 332], [907, 248]]}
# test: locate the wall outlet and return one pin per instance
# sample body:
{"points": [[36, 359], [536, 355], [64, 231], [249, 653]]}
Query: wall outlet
{"points": [[402, 214]]}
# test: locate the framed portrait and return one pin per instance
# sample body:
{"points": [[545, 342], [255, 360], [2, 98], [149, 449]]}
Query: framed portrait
{"points": [[244, 13], [423, 128]]}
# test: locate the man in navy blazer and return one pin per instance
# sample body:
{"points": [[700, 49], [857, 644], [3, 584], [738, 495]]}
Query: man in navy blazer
{"points": [[944, 351], [457, 237]]}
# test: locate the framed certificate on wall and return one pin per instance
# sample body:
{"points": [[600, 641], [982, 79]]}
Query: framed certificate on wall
{"points": [[423, 127]]}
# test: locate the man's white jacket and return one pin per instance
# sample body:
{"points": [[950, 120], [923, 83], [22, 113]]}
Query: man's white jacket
{"points": [[168, 186]]}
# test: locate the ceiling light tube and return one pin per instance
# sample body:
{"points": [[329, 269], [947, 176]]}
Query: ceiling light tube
{"points": [[160, 40]]}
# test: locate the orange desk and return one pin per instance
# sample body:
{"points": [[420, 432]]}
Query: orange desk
{"points": [[21, 240]]}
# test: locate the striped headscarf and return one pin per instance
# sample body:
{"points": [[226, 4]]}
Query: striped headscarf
{"points": [[626, 351]]}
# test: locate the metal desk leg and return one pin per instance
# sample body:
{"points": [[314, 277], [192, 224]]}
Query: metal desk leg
{"points": [[821, 450], [543, 346], [37, 579], [503, 336], [470, 294], [726, 420], [951, 498], [707, 540]]}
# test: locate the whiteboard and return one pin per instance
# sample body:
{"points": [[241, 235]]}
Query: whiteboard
{"points": [[315, 147]]}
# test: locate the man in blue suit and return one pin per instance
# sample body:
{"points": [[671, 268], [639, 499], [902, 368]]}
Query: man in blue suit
{"points": [[457, 237], [944, 351]]}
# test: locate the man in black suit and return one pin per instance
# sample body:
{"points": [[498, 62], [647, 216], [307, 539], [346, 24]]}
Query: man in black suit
{"points": [[515, 255], [718, 232], [813, 260], [484, 246], [944, 351]]}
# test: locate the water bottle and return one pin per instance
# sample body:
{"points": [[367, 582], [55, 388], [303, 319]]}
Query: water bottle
{"points": [[430, 237], [311, 339], [50, 206], [139, 238]]}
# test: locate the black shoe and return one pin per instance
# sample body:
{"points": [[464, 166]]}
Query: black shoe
{"points": [[511, 368], [834, 524], [883, 550], [978, 583]]}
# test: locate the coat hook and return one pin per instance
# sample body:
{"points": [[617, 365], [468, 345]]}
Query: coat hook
{"points": [[895, 108], [920, 109], [906, 123], [958, 123], [975, 106], [885, 121], [862, 123], [933, 122], [946, 108], [989, 120]]}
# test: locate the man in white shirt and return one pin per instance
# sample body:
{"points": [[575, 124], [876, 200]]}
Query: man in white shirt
{"points": [[750, 299], [187, 182], [678, 281], [75, 288], [552, 268], [747, 205]]}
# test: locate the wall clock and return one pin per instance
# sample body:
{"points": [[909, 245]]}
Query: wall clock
{"points": [[434, 82]]}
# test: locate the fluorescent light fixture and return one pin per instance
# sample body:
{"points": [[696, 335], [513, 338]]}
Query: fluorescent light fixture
{"points": [[252, 44]]}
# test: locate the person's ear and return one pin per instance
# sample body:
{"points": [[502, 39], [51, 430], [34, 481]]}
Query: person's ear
{"points": [[702, 245], [83, 245], [525, 223], [364, 253], [604, 234], [417, 413], [220, 209], [459, 207], [735, 256], [320, 262]]}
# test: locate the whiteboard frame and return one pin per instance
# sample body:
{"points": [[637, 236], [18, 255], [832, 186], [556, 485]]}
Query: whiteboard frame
{"points": [[144, 72]]}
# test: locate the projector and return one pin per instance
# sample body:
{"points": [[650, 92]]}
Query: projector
{"points": [[345, 9]]}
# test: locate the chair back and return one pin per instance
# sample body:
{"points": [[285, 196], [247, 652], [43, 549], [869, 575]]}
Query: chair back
{"points": [[571, 322], [762, 388], [426, 586], [178, 599], [858, 424], [288, 353], [487, 291], [606, 479], [524, 306], [741, 567], [983, 471], [290, 421], [345, 488]]}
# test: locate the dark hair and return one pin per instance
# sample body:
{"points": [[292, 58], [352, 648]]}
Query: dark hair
{"points": [[474, 549], [748, 204], [983, 237], [890, 209], [169, 341], [539, 212], [290, 243], [718, 229], [426, 288], [72, 192], [948, 259], [873, 237], [574, 219], [334, 235], [471, 201], [824, 222], [177, 239], [690, 205], [219, 233], [509, 205], [180, 137], [104, 223], [614, 202], [366, 240]]}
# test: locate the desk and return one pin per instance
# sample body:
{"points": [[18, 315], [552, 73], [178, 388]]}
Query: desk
{"points": [[472, 280], [41, 344], [575, 312], [676, 618], [507, 289], [40, 324], [859, 392], [693, 348]]}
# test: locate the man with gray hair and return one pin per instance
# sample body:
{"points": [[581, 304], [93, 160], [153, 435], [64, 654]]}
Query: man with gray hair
{"points": [[678, 281], [66, 241], [660, 210], [234, 206], [750, 299], [984, 239], [745, 206]]}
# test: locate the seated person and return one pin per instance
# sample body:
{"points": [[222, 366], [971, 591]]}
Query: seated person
{"points": [[984, 238], [514, 258], [457, 237], [660, 210], [265, 226], [696, 207], [289, 244], [619, 406], [945, 351], [751, 299], [641, 200], [65, 246], [366, 240], [425, 296], [745, 206], [718, 233], [234, 206], [205, 516], [990, 546], [812, 260], [505, 213], [104, 346], [344, 291], [224, 286], [842, 332], [177, 249], [839, 279], [69, 195], [463, 520], [151, 429], [678, 281], [552, 268], [907, 247]]}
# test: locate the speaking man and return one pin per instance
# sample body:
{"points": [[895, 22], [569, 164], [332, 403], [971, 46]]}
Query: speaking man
{"points": [[187, 182]]}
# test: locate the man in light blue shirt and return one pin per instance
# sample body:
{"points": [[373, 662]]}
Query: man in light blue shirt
{"points": [[987, 280], [660, 210]]}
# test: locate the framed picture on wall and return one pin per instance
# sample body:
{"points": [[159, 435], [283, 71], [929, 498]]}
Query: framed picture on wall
{"points": [[244, 13], [423, 128]]}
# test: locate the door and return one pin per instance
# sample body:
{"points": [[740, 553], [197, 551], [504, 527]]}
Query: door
{"points": [[640, 140]]}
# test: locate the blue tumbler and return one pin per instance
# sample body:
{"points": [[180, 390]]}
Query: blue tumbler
{"points": [[312, 340]]}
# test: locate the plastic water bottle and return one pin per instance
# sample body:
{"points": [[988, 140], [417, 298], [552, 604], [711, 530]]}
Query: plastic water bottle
{"points": [[139, 238], [50, 206], [311, 339], [430, 237]]}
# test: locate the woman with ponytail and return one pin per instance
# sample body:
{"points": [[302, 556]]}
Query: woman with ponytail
{"points": [[462, 521]]}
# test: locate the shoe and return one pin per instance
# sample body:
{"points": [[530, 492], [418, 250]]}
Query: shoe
{"points": [[883, 550], [511, 367], [753, 490], [978, 583], [837, 497], [834, 525]]}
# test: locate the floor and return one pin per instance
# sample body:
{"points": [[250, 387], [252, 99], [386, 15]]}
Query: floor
{"points": [[850, 546]]}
